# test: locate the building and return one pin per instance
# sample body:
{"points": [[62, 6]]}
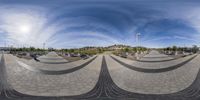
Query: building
{"points": [[5, 48]]}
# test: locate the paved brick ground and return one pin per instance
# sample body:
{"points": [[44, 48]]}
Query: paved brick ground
{"points": [[52, 57], [155, 56], [155, 65], [153, 83], [114, 82], [155, 53], [45, 66], [0, 56], [28, 82]]}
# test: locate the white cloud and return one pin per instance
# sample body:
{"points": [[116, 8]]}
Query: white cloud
{"points": [[25, 26]]}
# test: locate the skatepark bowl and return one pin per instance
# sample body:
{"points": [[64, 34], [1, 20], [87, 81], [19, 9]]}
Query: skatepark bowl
{"points": [[154, 76]]}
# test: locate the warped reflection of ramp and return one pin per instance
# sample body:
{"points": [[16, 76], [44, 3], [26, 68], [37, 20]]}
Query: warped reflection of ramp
{"points": [[55, 72], [107, 89], [155, 56], [155, 53], [39, 84], [154, 65], [51, 58], [154, 70]]}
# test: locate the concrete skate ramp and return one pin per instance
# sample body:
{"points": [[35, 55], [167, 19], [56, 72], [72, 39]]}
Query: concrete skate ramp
{"points": [[155, 56], [52, 58]]}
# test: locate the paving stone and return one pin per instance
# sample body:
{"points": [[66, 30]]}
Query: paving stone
{"points": [[156, 65], [73, 83], [122, 83], [53, 67], [162, 82]]}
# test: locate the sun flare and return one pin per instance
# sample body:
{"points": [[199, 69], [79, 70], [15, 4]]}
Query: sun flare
{"points": [[24, 29]]}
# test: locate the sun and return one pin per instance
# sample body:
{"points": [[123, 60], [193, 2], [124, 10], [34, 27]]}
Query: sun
{"points": [[24, 29]]}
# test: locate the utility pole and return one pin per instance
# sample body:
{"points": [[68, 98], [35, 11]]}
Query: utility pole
{"points": [[137, 37], [44, 45]]}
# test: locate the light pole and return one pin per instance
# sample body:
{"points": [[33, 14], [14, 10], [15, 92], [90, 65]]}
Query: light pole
{"points": [[44, 45], [137, 41], [44, 48]]}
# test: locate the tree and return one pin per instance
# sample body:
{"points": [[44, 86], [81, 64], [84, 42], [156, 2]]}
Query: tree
{"points": [[195, 49], [168, 49], [134, 49], [32, 49], [100, 50], [126, 49], [179, 49], [71, 50], [174, 48]]}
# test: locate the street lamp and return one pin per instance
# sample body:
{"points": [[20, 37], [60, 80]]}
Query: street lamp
{"points": [[44, 45], [137, 41]]}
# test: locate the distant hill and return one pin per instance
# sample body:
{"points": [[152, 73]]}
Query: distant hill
{"points": [[118, 46]]}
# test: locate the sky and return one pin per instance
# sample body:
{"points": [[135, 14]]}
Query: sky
{"points": [[79, 23]]}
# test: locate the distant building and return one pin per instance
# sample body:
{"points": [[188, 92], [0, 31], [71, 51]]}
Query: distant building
{"points": [[5, 48], [51, 49]]}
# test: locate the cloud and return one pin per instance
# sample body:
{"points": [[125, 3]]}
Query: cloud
{"points": [[16, 17], [13, 18], [76, 24]]}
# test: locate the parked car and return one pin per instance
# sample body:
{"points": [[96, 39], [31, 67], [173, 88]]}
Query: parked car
{"points": [[83, 56]]}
